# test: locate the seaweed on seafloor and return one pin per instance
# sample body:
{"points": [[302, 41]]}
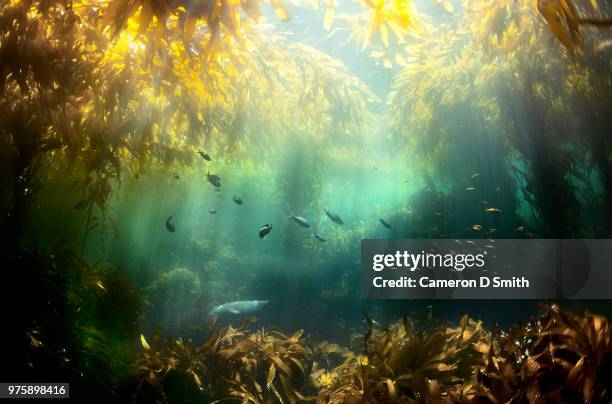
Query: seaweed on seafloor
{"points": [[401, 364], [233, 364], [562, 357]]}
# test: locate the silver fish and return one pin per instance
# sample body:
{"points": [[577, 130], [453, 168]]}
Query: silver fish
{"points": [[237, 200], [333, 216], [239, 307], [300, 220], [212, 211]]}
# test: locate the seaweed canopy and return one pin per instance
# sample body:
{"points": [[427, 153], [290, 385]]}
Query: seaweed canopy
{"points": [[497, 82], [144, 83], [262, 366]]}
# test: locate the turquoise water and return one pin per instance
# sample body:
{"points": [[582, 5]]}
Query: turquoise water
{"points": [[377, 173]]}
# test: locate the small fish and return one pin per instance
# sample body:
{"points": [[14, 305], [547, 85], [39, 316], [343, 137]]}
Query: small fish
{"points": [[470, 189], [603, 45], [214, 179], [520, 228], [177, 175], [319, 237], [265, 230], [205, 156], [333, 216], [384, 223], [137, 176], [239, 307], [237, 200], [475, 175], [169, 225], [300, 220], [476, 227], [81, 204], [493, 210], [212, 211]]}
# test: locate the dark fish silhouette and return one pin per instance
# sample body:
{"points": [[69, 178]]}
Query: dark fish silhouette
{"points": [[169, 226], [265, 230], [205, 156], [333, 216], [384, 223], [214, 179], [177, 175], [81, 204], [319, 237], [212, 211], [237, 200]]}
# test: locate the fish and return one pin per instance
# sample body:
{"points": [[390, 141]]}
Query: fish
{"points": [[475, 175], [212, 211], [177, 175], [493, 210], [238, 307], [470, 189], [214, 179], [300, 220], [169, 225], [384, 223], [476, 227], [603, 45], [81, 204], [333, 216], [237, 200], [137, 176], [205, 156], [265, 230], [319, 237]]}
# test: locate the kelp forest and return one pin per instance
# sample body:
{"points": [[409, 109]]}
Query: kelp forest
{"points": [[186, 183]]}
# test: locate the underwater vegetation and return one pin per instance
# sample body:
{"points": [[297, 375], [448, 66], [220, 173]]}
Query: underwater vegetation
{"points": [[558, 357], [76, 322], [250, 366], [164, 162]]}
